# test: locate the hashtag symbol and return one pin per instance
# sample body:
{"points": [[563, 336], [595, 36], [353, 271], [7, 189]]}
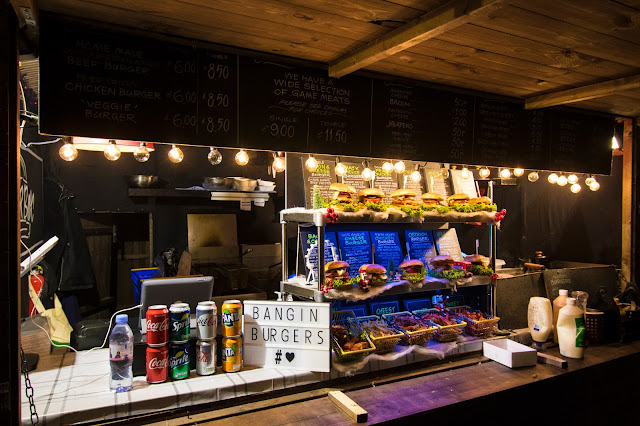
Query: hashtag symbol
{"points": [[278, 356]]}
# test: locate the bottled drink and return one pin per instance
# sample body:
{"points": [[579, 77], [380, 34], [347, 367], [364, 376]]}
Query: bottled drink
{"points": [[121, 355], [571, 330], [558, 303]]}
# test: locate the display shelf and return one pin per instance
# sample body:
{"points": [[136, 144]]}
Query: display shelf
{"points": [[244, 197]]}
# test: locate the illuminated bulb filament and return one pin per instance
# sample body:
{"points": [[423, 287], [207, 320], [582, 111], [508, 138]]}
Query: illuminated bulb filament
{"points": [[553, 178], [175, 154], [572, 178], [533, 177], [399, 167], [415, 176], [465, 173], [518, 172], [111, 151], [594, 186], [278, 164], [367, 174], [242, 158], [575, 188], [387, 166], [68, 152], [505, 173], [562, 180], [311, 164], [341, 170], [484, 172]]}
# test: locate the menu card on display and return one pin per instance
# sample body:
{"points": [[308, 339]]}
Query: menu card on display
{"points": [[387, 182], [353, 177], [355, 248], [323, 177], [436, 182], [447, 243], [309, 241], [408, 183], [387, 248], [421, 245], [463, 185]]}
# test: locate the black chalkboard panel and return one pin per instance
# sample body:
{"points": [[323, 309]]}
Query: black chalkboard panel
{"points": [[104, 85], [289, 108], [499, 133]]}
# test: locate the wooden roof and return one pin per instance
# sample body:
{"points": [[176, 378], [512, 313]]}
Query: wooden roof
{"points": [[581, 53]]}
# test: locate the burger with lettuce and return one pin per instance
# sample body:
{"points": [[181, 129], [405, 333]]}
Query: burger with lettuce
{"points": [[412, 270], [442, 267], [479, 264]]}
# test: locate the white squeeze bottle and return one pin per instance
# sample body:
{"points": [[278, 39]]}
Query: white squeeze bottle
{"points": [[540, 317], [571, 330], [558, 303]]}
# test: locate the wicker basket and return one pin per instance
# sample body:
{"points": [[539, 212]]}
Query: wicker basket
{"points": [[419, 337], [383, 344], [345, 318], [594, 326], [482, 328], [444, 333]]}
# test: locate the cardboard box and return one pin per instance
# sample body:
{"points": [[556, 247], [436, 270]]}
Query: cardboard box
{"points": [[510, 353]]}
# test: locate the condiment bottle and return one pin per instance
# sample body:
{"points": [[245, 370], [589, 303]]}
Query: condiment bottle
{"points": [[571, 330], [540, 319], [558, 303]]}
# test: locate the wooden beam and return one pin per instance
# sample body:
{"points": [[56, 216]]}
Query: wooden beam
{"points": [[584, 93], [444, 18], [627, 267], [346, 404]]}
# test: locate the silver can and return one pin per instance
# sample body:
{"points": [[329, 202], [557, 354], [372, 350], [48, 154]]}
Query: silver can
{"points": [[207, 320], [205, 357]]}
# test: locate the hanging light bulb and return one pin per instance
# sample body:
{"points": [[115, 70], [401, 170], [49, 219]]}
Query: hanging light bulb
{"points": [[242, 158], [68, 151], [399, 167], [111, 151], [484, 172], [594, 186], [553, 178], [367, 174], [614, 143], [533, 177], [214, 156], [505, 173], [416, 176], [562, 180], [141, 154], [387, 166], [589, 181], [444, 172], [340, 169], [465, 173], [278, 163], [175, 154], [311, 164], [575, 188], [572, 179], [517, 172]]}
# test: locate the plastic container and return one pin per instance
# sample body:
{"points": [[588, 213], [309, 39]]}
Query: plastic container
{"points": [[540, 319], [558, 303], [571, 330], [137, 275], [121, 355]]}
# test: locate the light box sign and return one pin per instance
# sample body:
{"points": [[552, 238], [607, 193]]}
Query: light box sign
{"points": [[289, 335]]}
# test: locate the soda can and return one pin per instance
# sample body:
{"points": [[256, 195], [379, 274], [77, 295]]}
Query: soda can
{"points": [[179, 361], [231, 318], [157, 364], [207, 320], [179, 321], [205, 357], [157, 325], [231, 354]]}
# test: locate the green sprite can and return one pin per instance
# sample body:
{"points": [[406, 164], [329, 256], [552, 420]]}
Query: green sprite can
{"points": [[179, 361]]}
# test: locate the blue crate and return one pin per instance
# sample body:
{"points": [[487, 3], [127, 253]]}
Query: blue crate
{"points": [[137, 275]]}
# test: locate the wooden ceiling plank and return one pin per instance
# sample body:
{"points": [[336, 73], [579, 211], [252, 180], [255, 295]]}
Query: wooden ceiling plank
{"points": [[630, 3], [617, 105], [174, 27], [583, 93], [611, 18], [444, 18], [542, 53], [421, 5], [376, 11], [525, 24]]}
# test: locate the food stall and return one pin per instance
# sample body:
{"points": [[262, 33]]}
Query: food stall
{"points": [[385, 212]]}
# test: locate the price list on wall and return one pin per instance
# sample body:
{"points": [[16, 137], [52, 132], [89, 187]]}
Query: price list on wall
{"points": [[385, 181], [497, 127], [322, 178], [538, 137]]}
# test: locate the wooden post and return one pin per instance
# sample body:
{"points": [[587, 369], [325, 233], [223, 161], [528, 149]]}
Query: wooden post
{"points": [[627, 264]]}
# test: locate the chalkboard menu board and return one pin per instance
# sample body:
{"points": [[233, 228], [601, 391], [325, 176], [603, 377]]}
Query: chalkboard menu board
{"points": [[31, 201], [323, 177], [355, 248], [386, 182], [309, 241], [420, 244], [387, 249], [436, 182], [353, 176], [297, 109], [498, 129], [112, 86]]}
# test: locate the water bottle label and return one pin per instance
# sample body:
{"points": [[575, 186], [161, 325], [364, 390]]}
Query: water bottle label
{"points": [[120, 352]]}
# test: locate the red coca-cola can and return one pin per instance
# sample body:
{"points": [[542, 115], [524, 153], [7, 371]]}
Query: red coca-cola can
{"points": [[157, 364], [157, 325]]}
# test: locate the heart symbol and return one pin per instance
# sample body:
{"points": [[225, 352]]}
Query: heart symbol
{"points": [[290, 356]]}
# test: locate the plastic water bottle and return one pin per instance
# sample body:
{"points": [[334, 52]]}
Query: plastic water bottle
{"points": [[121, 355]]}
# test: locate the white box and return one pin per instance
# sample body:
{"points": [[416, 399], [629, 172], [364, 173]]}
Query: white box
{"points": [[510, 353]]}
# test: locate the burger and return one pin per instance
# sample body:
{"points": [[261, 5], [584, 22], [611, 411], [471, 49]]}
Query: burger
{"points": [[479, 264], [372, 199], [336, 275], [483, 204], [480, 200], [442, 267], [373, 273], [404, 197], [458, 199], [431, 200], [342, 198], [412, 270]]}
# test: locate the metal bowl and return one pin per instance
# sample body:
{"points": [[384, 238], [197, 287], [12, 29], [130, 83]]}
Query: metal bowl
{"points": [[143, 181], [245, 184], [217, 183]]}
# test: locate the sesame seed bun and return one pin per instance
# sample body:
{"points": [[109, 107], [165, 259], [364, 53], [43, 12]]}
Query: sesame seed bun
{"points": [[337, 264], [376, 269], [411, 262], [371, 191], [342, 187], [483, 200], [403, 192], [432, 196]]}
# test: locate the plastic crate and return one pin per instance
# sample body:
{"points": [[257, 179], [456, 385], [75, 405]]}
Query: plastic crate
{"points": [[418, 337], [383, 344], [137, 275], [345, 318], [482, 328], [445, 333]]}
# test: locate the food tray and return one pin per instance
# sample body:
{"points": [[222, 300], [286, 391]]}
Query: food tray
{"points": [[482, 328], [345, 318], [419, 337], [383, 344], [445, 333]]}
